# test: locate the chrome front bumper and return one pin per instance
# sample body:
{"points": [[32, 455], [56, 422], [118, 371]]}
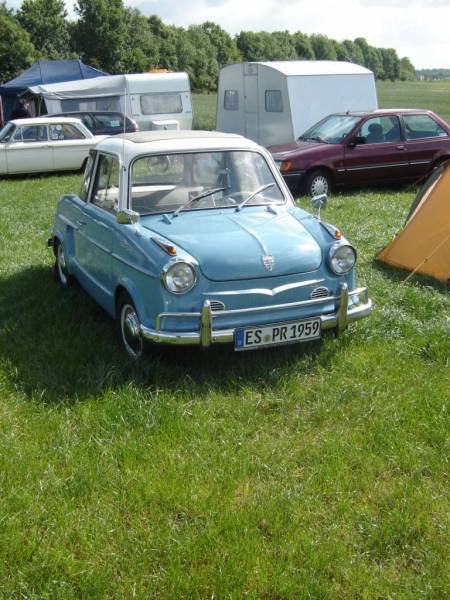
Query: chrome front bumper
{"points": [[206, 335]]}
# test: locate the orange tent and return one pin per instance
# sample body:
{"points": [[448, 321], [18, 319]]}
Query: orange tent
{"points": [[423, 245]]}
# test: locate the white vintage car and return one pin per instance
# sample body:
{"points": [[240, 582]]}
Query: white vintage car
{"points": [[43, 144]]}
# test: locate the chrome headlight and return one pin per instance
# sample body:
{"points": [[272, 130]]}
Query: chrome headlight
{"points": [[342, 258], [178, 277]]}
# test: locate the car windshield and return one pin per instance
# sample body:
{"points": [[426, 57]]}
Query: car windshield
{"points": [[6, 132], [172, 183], [331, 130]]}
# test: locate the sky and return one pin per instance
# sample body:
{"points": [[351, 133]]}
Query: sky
{"points": [[418, 29]]}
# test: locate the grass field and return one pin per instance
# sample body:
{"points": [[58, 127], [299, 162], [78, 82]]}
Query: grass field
{"points": [[308, 472], [431, 95]]}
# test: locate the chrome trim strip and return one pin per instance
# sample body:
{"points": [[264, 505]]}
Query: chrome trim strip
{"points": [[420, 162], [206, 335], [265, 291], [132, 265], [380, 166]]}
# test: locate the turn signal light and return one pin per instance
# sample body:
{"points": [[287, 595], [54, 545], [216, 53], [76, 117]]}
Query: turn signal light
{"points": [[286, 165], [337, 234]]}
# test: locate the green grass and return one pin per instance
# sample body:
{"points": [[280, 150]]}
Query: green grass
{"points": [[310, 471], [431, 95]]}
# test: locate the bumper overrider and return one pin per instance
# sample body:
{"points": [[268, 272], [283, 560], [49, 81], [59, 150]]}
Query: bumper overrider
{"points": [[345, 312]]}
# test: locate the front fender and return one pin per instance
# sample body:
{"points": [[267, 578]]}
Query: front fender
{"points": [[127, 284]]}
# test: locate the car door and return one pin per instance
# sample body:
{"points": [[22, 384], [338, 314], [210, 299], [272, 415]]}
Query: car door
{"points": [[97, 222], [70, 144], [29, 150], [425, 141], [377, 152]]}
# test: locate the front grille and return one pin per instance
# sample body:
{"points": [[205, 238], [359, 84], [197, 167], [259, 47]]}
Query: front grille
{"points": [[217, 305], [320, 292]]}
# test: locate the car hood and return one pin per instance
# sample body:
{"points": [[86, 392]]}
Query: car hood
{"points": [[230, 245], [294, 149]]}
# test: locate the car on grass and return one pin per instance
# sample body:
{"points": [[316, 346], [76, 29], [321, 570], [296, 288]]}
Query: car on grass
{"points": [[364, 149], [103, 122], [192, 238], [42, 144]]}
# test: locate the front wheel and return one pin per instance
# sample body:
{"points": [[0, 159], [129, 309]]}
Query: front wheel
{"points": [[129, 327], [318, 182]]}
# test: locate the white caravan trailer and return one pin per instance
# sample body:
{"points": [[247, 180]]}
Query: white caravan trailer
{"points": [[153, 100], [275, 102]]}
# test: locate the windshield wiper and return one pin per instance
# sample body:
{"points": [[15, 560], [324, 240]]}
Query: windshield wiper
{"points": [[195, 198], [253, 194]]}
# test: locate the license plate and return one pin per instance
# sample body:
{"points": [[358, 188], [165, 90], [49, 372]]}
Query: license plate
{"points": [[275, 335]]}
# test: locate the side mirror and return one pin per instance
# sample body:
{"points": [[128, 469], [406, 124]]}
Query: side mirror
{"points": [[319, 202], [127, 217], [356, 141]]}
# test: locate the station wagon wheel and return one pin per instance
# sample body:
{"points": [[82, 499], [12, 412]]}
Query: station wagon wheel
{"points": [[62, 276], [318, 182], [129, 327]]}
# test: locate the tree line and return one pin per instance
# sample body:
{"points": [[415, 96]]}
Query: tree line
{"points": [[120, 39]]}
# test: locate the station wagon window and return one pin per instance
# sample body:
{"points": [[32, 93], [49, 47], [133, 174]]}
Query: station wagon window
{"points": [[31, 133], [105, 193], [422, 126], [166, 182], [65, 131], [6, 132], [161, 104], [274, 101], [87, 177], [86, 104], [231, 100], [380, 130]]}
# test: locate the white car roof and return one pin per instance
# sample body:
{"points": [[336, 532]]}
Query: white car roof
{"points": [[45, 120], [130, 145]]}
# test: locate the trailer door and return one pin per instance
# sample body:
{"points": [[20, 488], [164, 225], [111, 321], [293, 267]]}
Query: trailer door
{"points": [[251, 101]]}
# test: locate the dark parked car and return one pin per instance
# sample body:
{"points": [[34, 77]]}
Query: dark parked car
{"points": [[354, 149], [104, 122]]}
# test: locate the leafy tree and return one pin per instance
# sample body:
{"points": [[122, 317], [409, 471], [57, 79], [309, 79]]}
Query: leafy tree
{"points": [[390, 62], [354, 52], [323, 47], [17, 52], [342, 52], [225, 45], [251, 45], [203, 68], [142, 48], [45, 22], [100, 34], [302, 46], [407, 71], [372, 58]]}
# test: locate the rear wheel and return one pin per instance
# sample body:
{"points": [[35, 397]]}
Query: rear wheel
{"points": [[318, 182], [62, 275], [129, 327]]}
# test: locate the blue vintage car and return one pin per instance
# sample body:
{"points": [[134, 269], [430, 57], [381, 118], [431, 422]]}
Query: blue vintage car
{"points": [[192, 237]]}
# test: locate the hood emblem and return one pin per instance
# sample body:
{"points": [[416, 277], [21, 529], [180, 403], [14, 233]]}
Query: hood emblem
{"points": [[268, 261]]}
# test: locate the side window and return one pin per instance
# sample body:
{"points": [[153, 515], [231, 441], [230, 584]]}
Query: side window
{"points": [[65, 131], [231, 100], [380, 130], [31, 133], [422, 126], [105, 193], [274, 101], [87, 177], [161, 104]]}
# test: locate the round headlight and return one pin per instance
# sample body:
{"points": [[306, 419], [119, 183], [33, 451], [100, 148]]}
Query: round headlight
{"points": [[179, 278], [342, 258]]}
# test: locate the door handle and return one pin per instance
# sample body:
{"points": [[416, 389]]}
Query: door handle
{"points": [[400, 147], [80, 223]]}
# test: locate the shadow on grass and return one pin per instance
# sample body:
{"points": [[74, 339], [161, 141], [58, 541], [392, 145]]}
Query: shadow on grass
{"points": [[57, 345], [397, 275]]}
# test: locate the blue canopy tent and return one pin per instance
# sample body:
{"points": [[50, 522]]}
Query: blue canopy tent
{"points": [[42, 72]]}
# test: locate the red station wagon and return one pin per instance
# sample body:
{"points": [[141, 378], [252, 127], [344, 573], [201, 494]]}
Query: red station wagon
{"points": [[355, 149]]}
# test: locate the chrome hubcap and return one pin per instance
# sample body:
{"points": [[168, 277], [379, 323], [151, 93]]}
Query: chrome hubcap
{"points": [[131, 331], [62, 265], [319, 185]]}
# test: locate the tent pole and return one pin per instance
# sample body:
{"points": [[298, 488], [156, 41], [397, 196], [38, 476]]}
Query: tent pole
{"points": [[441, 243]]}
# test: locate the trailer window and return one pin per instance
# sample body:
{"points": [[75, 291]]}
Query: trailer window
{"points": [[274, 101], [231, 100], [161, 104], [86, 104]]}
